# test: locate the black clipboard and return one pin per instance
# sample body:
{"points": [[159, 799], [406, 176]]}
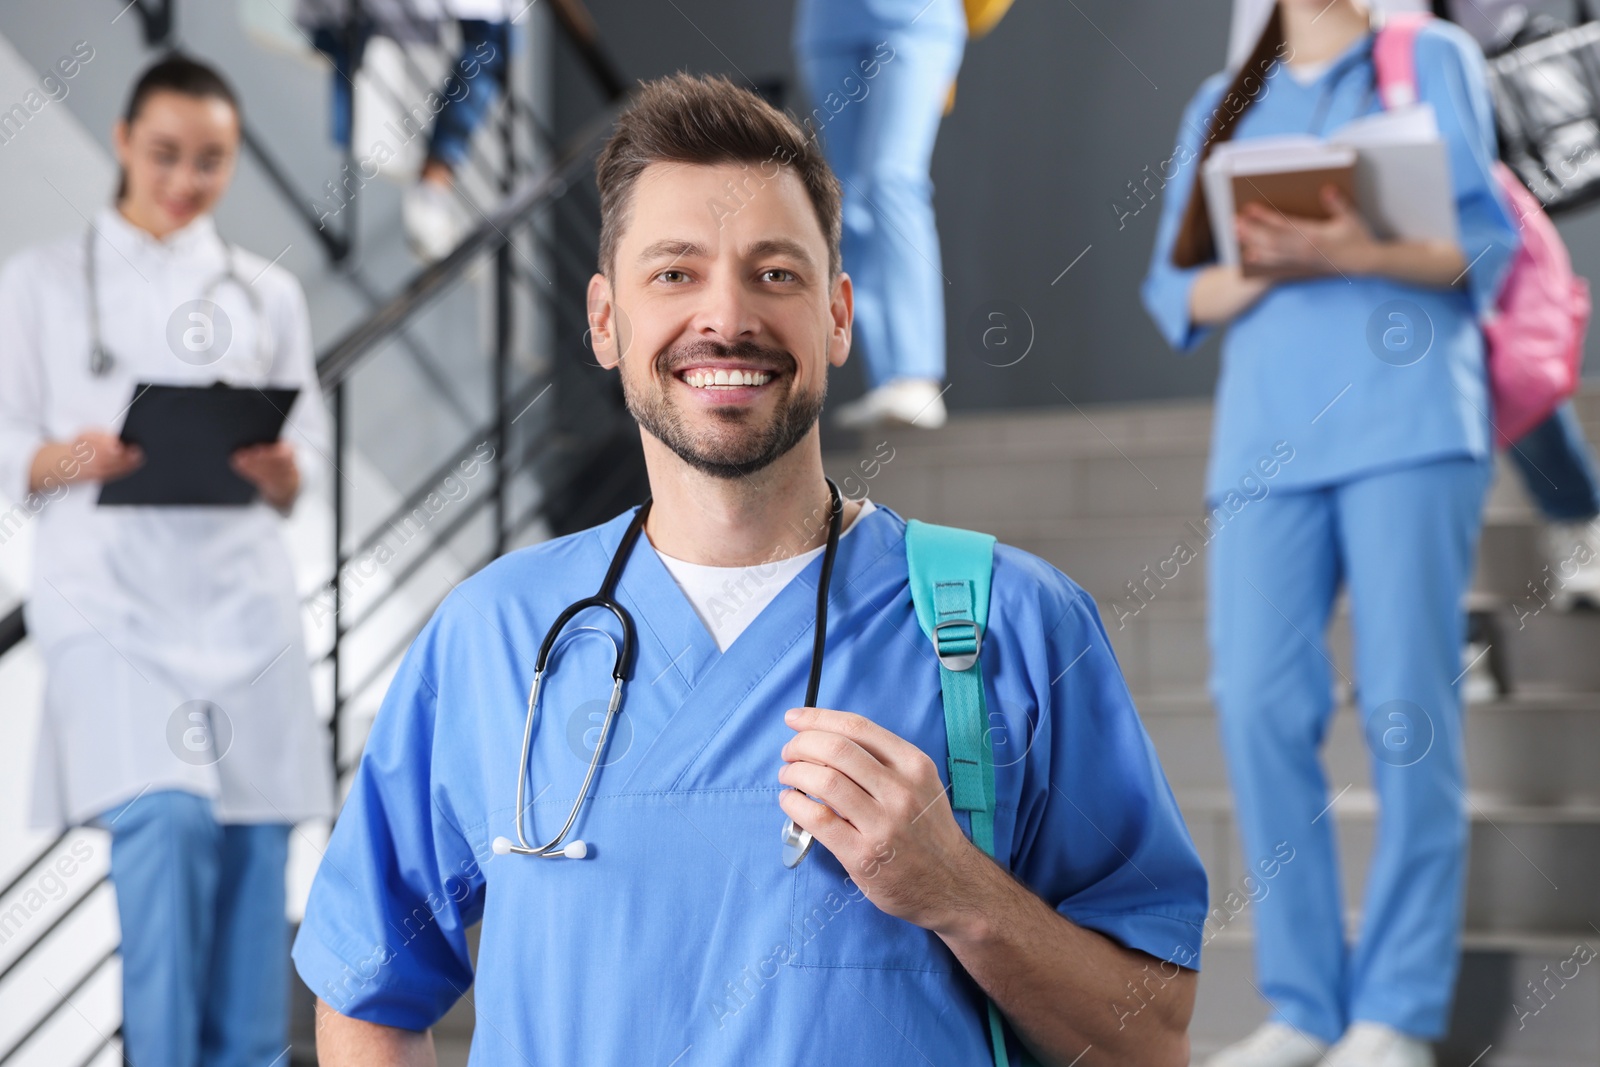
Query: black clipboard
{"points": [[188, 433]]}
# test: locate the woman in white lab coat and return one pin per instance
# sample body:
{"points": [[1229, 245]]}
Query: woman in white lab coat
{"points": [[178, 710]]}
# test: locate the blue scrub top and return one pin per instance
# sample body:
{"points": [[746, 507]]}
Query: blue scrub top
{"points": [[822, 22], [683, 930], [1301, 370]]}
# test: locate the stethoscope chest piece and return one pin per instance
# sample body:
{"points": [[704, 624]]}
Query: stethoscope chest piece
{"points": [[796, 844], [99, 361]]}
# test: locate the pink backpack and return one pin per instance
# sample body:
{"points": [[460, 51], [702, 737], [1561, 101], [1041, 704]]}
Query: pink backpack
{"points": [[1535, 339]]}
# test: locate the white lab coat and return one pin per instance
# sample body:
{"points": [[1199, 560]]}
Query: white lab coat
{"points": [[138, 611]]}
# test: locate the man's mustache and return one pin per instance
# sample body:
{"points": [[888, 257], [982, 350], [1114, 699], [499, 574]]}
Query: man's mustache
{"points": [[678, 357]]}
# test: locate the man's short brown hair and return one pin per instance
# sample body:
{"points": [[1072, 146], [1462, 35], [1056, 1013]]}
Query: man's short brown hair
{"points": [[709, 120]]}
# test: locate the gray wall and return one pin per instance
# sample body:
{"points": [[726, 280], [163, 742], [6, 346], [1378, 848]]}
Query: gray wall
{"points": [[1058, 110]]}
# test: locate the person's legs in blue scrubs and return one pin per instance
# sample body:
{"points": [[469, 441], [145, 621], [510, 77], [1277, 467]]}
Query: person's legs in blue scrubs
{"points": [[1404, 541], [880, 144], [1273, 574], [247, 994], [1409, 538], [204, 935]]}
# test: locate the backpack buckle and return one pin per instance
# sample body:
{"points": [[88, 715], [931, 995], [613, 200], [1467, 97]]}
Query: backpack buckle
{"points": [[958, 658]]}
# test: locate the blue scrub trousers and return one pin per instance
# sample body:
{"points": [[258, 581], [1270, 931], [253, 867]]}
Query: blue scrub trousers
{"points": [[878, 135], [1553, 459], [205, 942], [1402, 541]]}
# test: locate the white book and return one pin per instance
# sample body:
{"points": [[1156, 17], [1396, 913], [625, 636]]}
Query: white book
{"points": [[1402, 174]]}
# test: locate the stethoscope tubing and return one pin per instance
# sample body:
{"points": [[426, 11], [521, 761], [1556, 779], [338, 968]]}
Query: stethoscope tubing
{"points": [[101, 360], [605, 598]]}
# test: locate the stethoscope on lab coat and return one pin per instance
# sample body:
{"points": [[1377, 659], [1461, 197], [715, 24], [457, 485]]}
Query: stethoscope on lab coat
{"points": [[796, 841], [101, 359]]}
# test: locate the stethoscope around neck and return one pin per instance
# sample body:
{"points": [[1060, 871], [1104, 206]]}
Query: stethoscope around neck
{"points": [[796, 841], [100, 358]]}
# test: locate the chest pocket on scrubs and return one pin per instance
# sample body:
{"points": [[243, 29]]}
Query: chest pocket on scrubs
{"points": [[833, 924]]}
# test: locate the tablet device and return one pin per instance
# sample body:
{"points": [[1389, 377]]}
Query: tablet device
{"points": [[188, 433]]}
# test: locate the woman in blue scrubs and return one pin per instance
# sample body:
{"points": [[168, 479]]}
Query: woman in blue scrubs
{"points": [[1351, 448]]}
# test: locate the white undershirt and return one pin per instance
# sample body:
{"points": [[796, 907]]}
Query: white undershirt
{"points": [[1306, 73], [728, 599]]}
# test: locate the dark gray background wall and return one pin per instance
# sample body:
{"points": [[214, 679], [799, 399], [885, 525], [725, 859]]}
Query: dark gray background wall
{"points": [[1058, 110]]}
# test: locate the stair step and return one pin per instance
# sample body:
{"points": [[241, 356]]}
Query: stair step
{"points": [[1532, 749], [1530, 868], [1117, 461], [1490, 1024], [1162, 645]]}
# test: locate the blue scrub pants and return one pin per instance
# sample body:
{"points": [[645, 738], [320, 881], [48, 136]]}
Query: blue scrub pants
{"points": [[1553, 459], [1402, 541], [878, 135], [205, 942]]}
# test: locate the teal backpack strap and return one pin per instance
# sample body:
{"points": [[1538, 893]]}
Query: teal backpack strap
{"points": [[950, 572]]}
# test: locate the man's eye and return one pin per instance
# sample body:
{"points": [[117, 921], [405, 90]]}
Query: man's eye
{"points": [[778, 274], [672, 276]]}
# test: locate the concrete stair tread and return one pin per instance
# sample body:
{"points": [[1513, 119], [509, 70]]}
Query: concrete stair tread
{"points": [[1170, 526], [1360, 802], [1240, 933], [1530, 699]]}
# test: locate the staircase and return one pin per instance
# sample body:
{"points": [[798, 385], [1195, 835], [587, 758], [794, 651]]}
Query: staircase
{"points": [[427, 371], [1105, 492]]}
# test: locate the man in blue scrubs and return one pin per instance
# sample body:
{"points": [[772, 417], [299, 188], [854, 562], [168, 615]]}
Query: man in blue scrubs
{"points": [[682, 938]]}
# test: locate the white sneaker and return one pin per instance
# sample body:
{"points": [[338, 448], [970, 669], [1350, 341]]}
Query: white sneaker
{"points": [[434, 222], [1377, 1045], [1479, 686], [904, 401], [1271, 1045], [1572, 549]]}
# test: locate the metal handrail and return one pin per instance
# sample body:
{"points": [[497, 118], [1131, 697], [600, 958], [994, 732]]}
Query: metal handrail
{"points": [[341, 358], [54, 923], [12, 629], [337, 245], [95, 1052], [39, 857], [67, 996]]}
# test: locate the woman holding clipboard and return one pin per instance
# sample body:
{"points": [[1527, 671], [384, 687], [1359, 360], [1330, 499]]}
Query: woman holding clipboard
{"points": [[178, 711], [1351, 448]]}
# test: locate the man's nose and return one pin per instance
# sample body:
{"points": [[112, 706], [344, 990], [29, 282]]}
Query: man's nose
{"points": [[727, 311]]}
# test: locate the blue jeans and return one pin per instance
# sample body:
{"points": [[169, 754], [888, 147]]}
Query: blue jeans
{"points": [[1554, 460], [469, 90], [1402, 541], [877, 118], [205, 942]]}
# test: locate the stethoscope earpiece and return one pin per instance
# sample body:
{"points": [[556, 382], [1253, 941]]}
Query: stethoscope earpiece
{"points": [[574, 850]]}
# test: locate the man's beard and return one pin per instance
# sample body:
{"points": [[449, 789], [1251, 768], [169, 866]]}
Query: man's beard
{"points": [[733, 455]]}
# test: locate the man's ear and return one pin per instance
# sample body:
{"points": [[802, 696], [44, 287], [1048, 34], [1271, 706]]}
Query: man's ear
{"points": [[604, 320], [842, 311]]}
